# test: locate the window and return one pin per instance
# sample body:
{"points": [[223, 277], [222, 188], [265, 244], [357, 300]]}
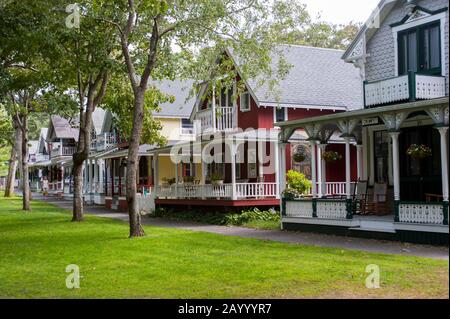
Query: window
{"points": [[304, 166], [280, 114], [188, 169], [381, 153], [187, 127], [226, 97], [245, 102], [419, 50]]}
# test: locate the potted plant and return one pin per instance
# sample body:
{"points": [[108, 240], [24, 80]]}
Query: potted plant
{"points": [[216, 179], [299, 157], [188, 180], [419, 151], [166, 182], [331, 156]]}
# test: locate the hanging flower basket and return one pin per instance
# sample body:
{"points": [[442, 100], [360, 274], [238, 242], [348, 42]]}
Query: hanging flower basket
{"points": [[419, 151], [331, 156], [299, 157]]}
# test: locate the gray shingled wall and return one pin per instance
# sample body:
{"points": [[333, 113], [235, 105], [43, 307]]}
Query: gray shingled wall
{"points": [[381, 63]]}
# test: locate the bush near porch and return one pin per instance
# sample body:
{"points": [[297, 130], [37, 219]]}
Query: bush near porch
{"points": [[253, 218], [36, 247]]}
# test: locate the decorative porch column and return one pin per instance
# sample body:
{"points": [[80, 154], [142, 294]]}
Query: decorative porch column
{"points": [[95, 190], [155, 170], [276, 167], [101, 174], [233, 170], [282, 173], [359, 158], [91, 175], [396, 171], [176, 180], [213, 108], [348, 194], [313, 168], [444, 169], [260, 161], [321, 190]]}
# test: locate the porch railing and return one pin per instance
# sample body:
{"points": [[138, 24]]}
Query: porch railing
{"points": [[223, 121], [335, 188], [422, 213], [404, 88], [317, 208], [104, 141], [243, 191], [63, 151]]}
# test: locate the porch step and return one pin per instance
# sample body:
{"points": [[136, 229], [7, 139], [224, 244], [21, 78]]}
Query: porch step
{"points": [[375, 225], [368, 229]]}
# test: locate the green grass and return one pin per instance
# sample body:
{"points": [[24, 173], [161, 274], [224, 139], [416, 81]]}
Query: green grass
{"points": [[262, 224], [36, 247]]}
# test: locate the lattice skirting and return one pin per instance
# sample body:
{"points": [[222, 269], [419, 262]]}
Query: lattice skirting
{"points": [[299, 209], [421, 213], [332, 210]]}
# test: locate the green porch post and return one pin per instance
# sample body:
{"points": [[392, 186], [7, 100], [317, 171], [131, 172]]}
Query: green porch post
{"points": [[445, 211], [314, 207], [397, 210], [412, 86], [283, 206], [349, 208]]}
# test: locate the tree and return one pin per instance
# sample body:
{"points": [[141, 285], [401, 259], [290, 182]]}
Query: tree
{"points": [[27, 59], [152, 33], [326, 35], [89, 49]]}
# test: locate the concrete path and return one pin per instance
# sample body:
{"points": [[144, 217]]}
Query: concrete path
{"points": [[370, 245]]}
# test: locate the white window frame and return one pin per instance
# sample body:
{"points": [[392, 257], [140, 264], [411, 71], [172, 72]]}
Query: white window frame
{"points": [[432, 18], [186, 134], [275, 114], [249, 102]]}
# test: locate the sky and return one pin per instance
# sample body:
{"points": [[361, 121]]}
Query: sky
{"points": [[341, 11]]}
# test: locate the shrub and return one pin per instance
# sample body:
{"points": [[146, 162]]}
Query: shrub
{"points": [[252, 215], [297, 183]]}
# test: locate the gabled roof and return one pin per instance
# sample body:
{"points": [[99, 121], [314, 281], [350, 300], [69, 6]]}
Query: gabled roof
{"points": [[368, 29], [33, 147], [98, 118], [318, 78], [61, 128], [183, 104]]}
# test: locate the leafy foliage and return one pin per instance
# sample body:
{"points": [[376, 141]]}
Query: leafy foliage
{"points": [[298, 182], [217, 218]]}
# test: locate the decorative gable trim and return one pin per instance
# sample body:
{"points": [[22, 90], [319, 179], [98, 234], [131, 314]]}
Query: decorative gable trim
{"points": [[416, 14]]}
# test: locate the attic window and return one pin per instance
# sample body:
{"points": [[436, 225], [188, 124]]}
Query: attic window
{"points": [[245, 102]]}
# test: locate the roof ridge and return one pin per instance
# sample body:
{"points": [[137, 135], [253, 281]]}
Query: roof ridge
{"points": [[312, 47]]}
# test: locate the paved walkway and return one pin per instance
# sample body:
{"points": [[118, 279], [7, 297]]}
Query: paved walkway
{"points": [[370, 245]]}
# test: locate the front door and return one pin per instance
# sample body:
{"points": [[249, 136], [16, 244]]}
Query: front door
{"points": [[419, 176]]}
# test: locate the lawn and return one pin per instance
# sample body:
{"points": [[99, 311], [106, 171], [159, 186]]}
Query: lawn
{"points": [[36, 247]]}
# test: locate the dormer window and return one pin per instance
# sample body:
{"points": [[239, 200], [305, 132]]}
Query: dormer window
{"points": [[419, 50]]}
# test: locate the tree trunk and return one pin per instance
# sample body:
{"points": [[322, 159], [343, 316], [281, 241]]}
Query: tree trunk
{"points": [[13, 161], [77, 172], [136, 229], [25, 176]]}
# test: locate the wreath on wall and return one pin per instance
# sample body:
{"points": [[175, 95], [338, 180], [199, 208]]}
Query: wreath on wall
{"points": [[419, 151]]}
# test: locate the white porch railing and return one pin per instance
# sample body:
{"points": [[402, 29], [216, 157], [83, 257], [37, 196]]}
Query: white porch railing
{"points": [[63, 151], [243, 191], [406, 87], [421, 213], [335, 188], [224, 119], [55, 186], [104, 141]]}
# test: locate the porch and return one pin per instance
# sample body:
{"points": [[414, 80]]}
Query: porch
{"points": [[415, 202]]}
